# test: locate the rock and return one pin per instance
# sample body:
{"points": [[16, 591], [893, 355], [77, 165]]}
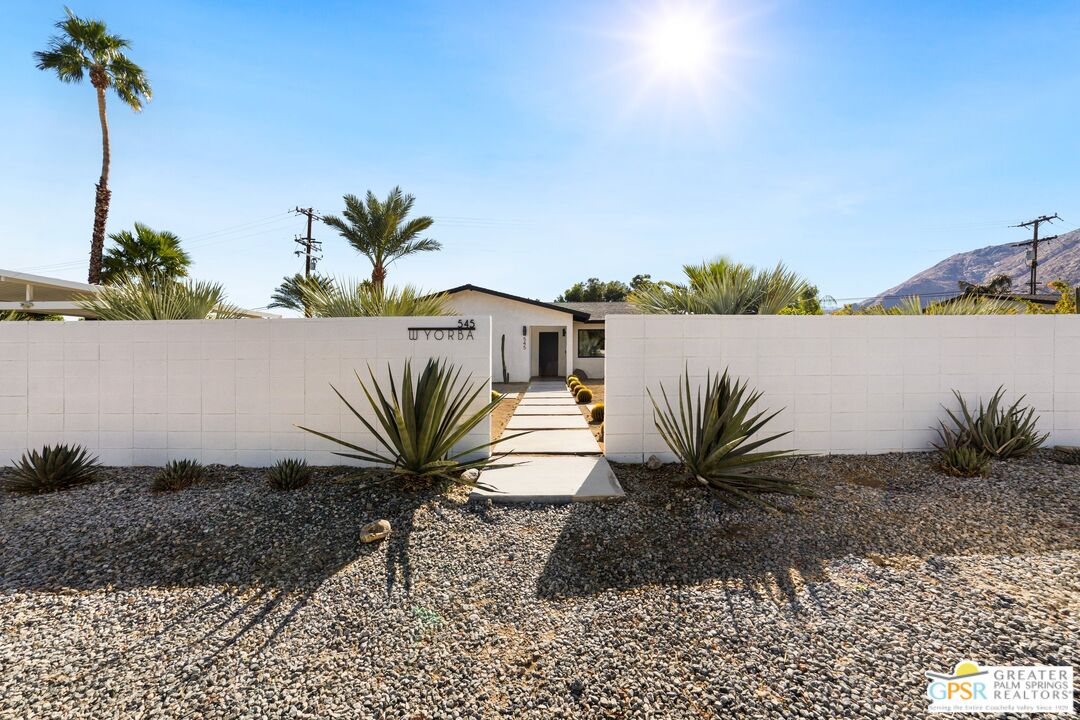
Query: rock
{"points": [[653, 463], [471, 475], [372, 532]]}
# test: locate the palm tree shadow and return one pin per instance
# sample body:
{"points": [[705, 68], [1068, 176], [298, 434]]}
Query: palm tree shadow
{"points": [[663, 534]]}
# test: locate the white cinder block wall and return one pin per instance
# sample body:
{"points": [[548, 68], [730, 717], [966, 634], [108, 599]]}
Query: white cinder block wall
{"points": [[846, 384], [220, 391]]}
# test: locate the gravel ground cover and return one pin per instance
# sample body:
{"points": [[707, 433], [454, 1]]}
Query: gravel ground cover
{"points": [[231, 600]]}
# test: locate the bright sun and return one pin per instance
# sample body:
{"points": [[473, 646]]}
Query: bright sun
{"points": [[680, 44]]}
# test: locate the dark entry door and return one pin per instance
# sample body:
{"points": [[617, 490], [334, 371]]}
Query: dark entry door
{"points": [[549, 354]]}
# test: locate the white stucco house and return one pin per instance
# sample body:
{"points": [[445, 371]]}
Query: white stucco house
{"points": [[531, 338]]}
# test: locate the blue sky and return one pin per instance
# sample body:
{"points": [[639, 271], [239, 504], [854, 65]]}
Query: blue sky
{"points": [[859, 142]]}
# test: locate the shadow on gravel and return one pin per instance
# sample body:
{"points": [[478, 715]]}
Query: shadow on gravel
{"points": [[666, 534], [266, 552]]}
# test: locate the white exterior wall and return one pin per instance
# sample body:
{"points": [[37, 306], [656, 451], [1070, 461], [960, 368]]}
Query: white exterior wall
{"points": [[508, 317], [594, 367], [847, 384], [219, 391]]}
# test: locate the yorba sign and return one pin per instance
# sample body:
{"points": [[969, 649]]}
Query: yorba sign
{"points": [[464, 330]]}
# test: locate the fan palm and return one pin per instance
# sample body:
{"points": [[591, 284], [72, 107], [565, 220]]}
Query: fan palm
{"points": [[381, 231], [290, 293], [146, 252], [350, 298], [962, 305], [150, 298], [723, 287], [86, 47]]}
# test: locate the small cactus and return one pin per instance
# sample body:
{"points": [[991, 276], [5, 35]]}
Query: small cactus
{"points": [[583, 395], [597, 413]]}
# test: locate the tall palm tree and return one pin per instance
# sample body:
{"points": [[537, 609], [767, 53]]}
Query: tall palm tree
{"points": [[380, 231], [147, 252], [86, 47]]}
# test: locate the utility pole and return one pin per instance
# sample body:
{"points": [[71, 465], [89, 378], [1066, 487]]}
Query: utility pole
{"points": [[309, 244], [1033, 253]]}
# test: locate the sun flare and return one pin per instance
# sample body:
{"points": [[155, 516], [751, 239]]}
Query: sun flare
{"points": [[680, 43]]}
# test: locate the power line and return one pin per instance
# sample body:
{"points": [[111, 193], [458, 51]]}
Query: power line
{"points": [[1033, 253], [309, 244]]}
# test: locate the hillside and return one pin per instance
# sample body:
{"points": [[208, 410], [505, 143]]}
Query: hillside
{"points": [[1058, 260]]}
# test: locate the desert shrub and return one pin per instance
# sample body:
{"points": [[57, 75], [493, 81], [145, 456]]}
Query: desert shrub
{"points": [[583, 395], [177, 475], [420, 423], [597, 413], [998, 431], [151, 298], [711, 435], [56, 467], [288, 474]]}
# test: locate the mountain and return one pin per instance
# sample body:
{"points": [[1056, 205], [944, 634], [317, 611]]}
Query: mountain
{"points": [[1058, 260]]}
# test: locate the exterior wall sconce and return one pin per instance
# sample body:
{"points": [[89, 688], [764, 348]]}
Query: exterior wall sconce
{"points": [[524, 330], [564, 332]]}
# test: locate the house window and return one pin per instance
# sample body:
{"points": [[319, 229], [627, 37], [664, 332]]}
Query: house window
{"points": [[590, 343]]}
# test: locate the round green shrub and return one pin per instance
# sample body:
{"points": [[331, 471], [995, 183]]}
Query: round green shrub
{"points": [[583, 395], [597, 413]]}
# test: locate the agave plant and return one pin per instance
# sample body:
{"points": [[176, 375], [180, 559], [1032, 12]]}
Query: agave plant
{"points": [[958, 458], [351, 298], [288, 474], [711, 436], [56, 467], [995, 430], [178, 475], [723, 287], [420, 424], [151, 298]]}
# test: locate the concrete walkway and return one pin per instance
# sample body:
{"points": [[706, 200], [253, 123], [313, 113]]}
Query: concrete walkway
{"points": [[559, 461]]}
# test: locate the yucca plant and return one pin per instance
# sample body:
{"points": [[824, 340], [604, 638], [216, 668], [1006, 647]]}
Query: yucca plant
{"points": [[996, 430], [178, 474], [288, 474], [420, 423], [957, 457], [147, 297], [711, 436], [56, 467]]}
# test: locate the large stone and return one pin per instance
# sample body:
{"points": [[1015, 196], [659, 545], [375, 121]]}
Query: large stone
{"points": [[375, 531], [653, 463]]}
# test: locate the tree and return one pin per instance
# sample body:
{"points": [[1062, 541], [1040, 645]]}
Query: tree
{"points": [[998, 285], [379, 230], [723, 287], [348, 298], [147, 252], [639, 282], [86, 47], [1066, 304], [592, 290], [290, 293]]}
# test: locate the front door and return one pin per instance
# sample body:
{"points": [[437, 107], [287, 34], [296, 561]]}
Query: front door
{"points": [[549, 354]]}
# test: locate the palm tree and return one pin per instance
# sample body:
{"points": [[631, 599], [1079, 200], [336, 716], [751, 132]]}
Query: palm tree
{"points": [[136, 297], [379, 230], [147, 252], [723, 287], [349, 298], [86, 47], [290, 293]]}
